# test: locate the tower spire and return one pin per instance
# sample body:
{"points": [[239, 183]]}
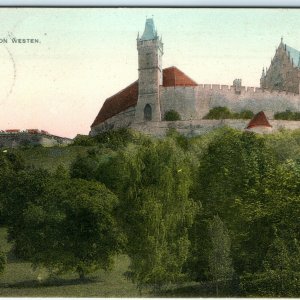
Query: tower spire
{"points": [[149, 32]]}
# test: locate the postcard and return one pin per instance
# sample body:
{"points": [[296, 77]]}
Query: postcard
{"points": [[149, 152]]}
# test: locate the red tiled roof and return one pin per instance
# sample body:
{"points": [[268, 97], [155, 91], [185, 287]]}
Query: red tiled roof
{"points": [[129, 96], [174, 77], [259, 119], [118, 103]]}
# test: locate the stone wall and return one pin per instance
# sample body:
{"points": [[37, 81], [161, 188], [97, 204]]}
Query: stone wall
{"points": [[199, 127], [15, 140], [195, 102], [121, 120]]}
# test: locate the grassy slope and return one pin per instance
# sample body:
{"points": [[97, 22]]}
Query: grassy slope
{"points": [[51, 158], [19, 280]]}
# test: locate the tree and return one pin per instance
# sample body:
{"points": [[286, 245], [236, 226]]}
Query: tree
{"points": [[231, 182], [70, 227], [220, 263], [153, 183], [11, 163]]}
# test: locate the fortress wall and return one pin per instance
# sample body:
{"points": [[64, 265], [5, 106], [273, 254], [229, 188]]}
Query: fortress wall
{"points": [[250, 98], [123, 119], [199, 127], [187, 128], [181, 99], [195, 102]]}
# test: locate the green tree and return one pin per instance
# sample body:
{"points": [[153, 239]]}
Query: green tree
{"points": [[71, 227], [220, 263], [232, 183], [153, 183]]}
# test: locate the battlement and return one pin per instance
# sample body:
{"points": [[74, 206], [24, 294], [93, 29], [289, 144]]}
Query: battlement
{"points": [[243, 89], [231, 89]]}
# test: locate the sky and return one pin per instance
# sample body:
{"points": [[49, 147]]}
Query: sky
{"points": [[86, 55]]}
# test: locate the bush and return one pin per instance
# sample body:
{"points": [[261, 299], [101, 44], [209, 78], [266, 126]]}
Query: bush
{"points": [[83, 140], [221, 112], [172, 115], [246, 114], [116, 138], [217, 113], [287, 115]]}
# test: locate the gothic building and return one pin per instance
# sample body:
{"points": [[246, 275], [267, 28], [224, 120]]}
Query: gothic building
{"points": [[144, 103], [284, 71]]}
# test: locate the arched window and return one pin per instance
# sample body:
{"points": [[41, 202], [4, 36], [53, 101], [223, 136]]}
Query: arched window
{"points": [[147, 113]]}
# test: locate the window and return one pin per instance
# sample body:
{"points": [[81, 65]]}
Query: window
{"points": [[147, 113]]}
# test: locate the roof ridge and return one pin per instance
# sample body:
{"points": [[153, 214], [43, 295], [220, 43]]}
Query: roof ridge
{"points": [[121, 91]]}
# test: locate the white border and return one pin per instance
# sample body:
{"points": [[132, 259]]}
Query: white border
{"points": [[155, 3]]}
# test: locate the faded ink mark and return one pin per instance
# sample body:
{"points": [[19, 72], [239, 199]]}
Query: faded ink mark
{"points": [[14, 71]]}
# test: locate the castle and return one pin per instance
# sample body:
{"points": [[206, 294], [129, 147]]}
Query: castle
{"points": [[143, 104]]}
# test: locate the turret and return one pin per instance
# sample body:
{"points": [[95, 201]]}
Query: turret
{"points": [[150, 51], [263, 79]]}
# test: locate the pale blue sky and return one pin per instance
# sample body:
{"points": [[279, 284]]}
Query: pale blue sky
{"points": [[86, 55]]}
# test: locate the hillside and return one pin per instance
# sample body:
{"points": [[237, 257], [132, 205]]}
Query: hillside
{"points": [[51, 157]]}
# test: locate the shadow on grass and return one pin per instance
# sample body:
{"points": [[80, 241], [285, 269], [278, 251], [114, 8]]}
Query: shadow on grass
{"points": [[55, 282]]}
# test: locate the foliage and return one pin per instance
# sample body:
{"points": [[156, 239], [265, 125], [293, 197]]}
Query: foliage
{"points": [[172, 115], [2, 261], [220, 265], [117, 138], [153, 183], [221, 112], [69, 227], [287, 115], [281, 274], [252, 182], [83, 140], [10, 164]]}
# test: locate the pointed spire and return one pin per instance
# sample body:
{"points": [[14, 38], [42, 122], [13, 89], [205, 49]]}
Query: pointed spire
{"points": [[281, 42], [263, 73], [149, 33]]}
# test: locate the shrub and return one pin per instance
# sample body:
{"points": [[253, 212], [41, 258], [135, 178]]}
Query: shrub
{"points": [[172, 115], [116, 138], [83, 140], [287, 115], [221, 112], [217, 113], [246, 114]]}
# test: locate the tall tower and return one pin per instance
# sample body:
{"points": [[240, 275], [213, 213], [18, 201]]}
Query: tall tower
{"points": [[150, 51]]}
